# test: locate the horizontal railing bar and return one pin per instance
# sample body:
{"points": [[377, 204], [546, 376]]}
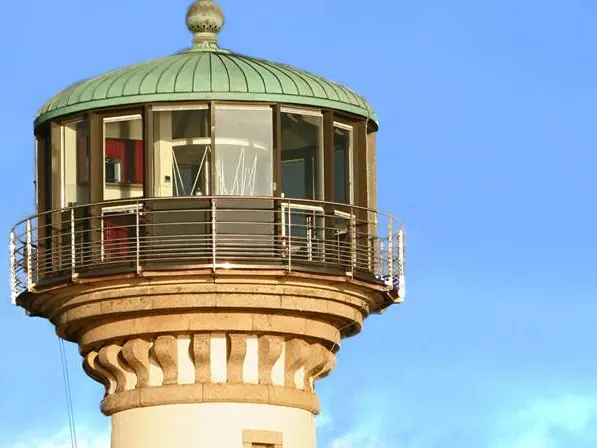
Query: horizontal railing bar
{"points": [[81, 238], [132, 201]]}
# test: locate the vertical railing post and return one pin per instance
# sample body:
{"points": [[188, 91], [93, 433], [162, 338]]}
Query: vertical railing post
{"points": [[401, 261], [353, 240], [289, 236], [13, 268], [29, 251], [390, 249], [370, 240], [381, 267], [137, 239], [309, 222], [375, 248], [73, 253], [213, 234]]}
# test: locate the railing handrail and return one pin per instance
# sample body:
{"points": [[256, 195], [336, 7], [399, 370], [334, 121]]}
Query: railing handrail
{"points": [[331, 234], [128, 201]]}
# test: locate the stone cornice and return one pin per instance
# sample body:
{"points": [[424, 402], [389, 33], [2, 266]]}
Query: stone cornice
{"points": [[98, 311], [211, 393], [171, 339], [207, 368]]}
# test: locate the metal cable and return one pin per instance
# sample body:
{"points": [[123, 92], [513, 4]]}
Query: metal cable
{"points": [[67, 390]]}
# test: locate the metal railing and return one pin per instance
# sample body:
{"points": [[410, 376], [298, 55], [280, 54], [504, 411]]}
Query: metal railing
{"points": [[219, 232]]}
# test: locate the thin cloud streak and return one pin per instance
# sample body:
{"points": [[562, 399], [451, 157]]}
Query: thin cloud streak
{"points": [[560, 421], [567, 420], [86, 438]]}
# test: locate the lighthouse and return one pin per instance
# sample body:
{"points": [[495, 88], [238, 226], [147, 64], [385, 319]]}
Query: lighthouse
{"points": [[207, 233]]}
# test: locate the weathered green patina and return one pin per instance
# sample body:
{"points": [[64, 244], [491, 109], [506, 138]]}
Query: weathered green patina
{"points": [[204, 72]]}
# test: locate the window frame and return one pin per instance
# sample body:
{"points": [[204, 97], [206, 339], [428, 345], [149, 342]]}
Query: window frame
{"points": [[187, 107], [118, 118], [246, 107], [349, 165], [253, 438], [319, 171]]}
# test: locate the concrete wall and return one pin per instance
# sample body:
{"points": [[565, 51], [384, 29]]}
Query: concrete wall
{"points": [[212, 425]]}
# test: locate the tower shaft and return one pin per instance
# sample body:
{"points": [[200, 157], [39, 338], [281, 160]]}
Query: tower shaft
{"points": [[198, 359]]}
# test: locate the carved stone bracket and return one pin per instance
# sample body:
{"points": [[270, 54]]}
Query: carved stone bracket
{"points": [[252, 365]]}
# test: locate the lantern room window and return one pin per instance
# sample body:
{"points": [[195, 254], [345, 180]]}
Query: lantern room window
{"points": [[75, 163], [343, 169], [244, 151], [302, 154], [123, 157], [182, 151]]}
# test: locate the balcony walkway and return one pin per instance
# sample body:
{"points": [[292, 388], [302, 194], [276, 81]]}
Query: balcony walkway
{"points": [[220, 232]]}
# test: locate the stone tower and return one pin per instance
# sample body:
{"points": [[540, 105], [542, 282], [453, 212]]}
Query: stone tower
{"points": [[207, 233]]}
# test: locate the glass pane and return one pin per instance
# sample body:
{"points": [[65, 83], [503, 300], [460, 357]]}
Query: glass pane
{"points": [[302, 162], [244, 155], [190, 165], [123, 158], [76, 168], [182, 151], [342, 151], [44, 181], [190, 123], [293, 173], [340, 174]]}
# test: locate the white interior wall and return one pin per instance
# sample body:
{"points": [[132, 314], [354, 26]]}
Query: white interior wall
{"points": [[163, 155]]}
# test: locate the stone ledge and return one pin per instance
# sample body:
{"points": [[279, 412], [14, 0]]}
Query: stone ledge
{"points": [[135, 326], [288, 291], [210, 393]]}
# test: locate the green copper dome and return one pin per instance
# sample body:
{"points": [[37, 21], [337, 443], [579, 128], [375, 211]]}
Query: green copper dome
{"points": [[204, 72]]}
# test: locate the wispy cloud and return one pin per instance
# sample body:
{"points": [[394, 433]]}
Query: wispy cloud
{"points": [[360, 437], [559, 422], [369, 424], [323, 420], [86, 438]]}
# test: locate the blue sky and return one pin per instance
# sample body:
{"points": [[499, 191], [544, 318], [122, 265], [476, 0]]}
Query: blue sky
{"points": [[486, 151]]}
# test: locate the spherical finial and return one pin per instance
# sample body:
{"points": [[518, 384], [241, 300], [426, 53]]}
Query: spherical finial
{"points": [[205, 20]]}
